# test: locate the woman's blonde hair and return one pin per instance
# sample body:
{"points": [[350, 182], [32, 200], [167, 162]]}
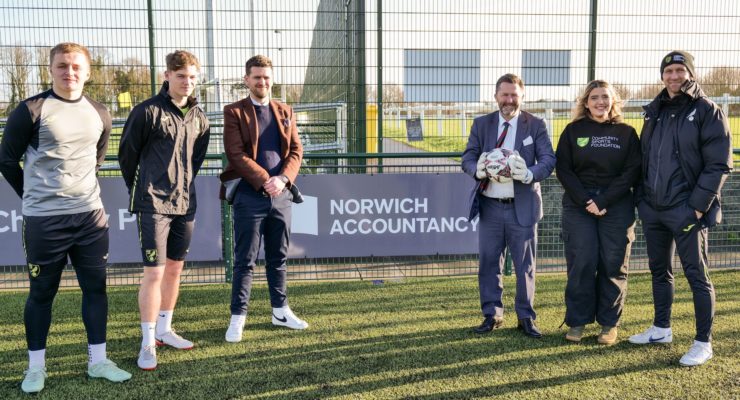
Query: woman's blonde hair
{"points": [[580, 111]]}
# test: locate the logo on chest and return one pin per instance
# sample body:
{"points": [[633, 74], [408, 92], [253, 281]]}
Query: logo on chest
{"points": [[608, 142]]}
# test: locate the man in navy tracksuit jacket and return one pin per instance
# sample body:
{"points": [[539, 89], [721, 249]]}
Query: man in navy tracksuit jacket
{"points": [[687, 156]]}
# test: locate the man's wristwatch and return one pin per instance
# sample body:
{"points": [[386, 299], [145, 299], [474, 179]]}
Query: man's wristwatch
{"points": [[284, 179]]}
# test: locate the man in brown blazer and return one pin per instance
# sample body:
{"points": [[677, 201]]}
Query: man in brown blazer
{"points": [[264, 152]]}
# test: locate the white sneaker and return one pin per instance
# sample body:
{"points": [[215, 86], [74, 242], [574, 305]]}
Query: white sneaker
{"points": [[288, 319], [33, 381], [653, 335], [172, 339], [236, 328], [698, 354], [147, 358]]}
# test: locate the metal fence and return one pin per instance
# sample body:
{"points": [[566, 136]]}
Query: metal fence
{"points": [[384, 86]]}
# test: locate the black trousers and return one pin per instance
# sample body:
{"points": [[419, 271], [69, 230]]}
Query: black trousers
{"points": [[668, 230], [49, 242], [597, 251], [257, 218]]}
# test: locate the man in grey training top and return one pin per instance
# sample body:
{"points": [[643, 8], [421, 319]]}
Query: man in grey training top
{"points": [[63, 136]]}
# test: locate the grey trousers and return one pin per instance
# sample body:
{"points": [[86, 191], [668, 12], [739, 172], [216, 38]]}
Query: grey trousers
{"points": [[497, 230]]}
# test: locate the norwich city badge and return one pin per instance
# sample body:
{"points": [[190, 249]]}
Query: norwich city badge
{"points": [[151, 255], [34, 270]]}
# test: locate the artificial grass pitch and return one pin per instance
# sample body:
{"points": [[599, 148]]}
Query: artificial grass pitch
{"points": [[407, 339]]}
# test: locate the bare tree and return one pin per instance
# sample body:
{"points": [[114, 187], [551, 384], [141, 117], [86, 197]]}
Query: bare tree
{"points": [[622, 90], [392, 93], [16, 66], [293, 93], [648, 91], [721, 80], [100, 86], [43, 63], [132, 77]]}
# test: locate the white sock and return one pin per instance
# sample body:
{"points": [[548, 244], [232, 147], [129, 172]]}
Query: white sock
{"points": [[238, 320], [37, 358], [95, 353], [147, 334], [164, 322]]}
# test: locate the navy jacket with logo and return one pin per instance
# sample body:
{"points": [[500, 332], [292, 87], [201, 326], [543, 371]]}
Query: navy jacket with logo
{"points": [[701, 138], [160, 153]]}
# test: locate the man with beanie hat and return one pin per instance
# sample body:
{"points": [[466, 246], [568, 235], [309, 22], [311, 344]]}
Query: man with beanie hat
{"points": [[687, 156], [679, 57]]}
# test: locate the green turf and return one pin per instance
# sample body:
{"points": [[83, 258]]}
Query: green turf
{"points": [[408, 339]]}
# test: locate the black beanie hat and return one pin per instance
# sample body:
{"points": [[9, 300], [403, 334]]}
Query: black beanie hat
{"points": [[678, 57]]}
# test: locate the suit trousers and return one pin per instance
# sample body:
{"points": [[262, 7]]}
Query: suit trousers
{"points": [[668, 230], [498, 229], [597, 251], [258, 217]]}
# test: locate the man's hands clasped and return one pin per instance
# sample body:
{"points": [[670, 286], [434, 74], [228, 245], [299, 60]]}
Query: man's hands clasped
{"points": [[593, 209], [274, 186]]}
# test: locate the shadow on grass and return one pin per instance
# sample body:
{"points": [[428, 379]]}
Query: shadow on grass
{"points": [[529, 384], [364, 340], [394, 360]]}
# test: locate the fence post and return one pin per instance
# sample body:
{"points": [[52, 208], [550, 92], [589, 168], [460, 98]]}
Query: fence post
{"points": [[227, 234], [726, 104], [380, 83], [463, 121], [152, 58], [440, 128], [507, 263], [592, 40]]}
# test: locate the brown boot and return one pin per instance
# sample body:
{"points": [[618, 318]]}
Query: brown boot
{"points": [[608, 335], [575, 333]]}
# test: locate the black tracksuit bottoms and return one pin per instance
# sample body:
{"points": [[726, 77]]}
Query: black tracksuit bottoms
{"points": [[50, 241], [668, 230], [597, 251]]}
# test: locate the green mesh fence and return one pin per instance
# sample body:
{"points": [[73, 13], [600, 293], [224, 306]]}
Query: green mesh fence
{"points": [[383, 86]]}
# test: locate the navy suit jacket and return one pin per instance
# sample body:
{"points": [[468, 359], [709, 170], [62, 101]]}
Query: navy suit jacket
{"points": [[532, 143]]}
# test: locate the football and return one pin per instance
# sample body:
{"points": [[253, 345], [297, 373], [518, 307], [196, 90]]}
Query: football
{"points": [[497, 165]]}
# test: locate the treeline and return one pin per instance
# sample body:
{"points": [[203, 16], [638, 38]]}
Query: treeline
{"points": [[715, 83], [26, 72], [121, 85]]}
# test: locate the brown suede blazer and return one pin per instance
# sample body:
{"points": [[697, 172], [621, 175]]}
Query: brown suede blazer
{"points": [[241, 140]]}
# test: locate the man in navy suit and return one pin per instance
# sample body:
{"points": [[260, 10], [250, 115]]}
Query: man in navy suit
{"points": [[509, 209]]}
